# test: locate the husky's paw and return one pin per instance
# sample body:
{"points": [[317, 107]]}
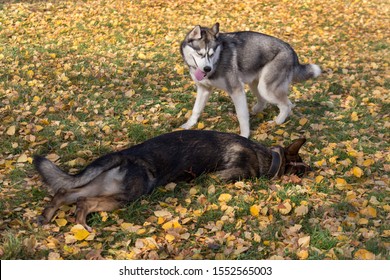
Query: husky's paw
{"points": [[187, 125], [280, 120], [245, 134], [285, 112], [258, 108]]}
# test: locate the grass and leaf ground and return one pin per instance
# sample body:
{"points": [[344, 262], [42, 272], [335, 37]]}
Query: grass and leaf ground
{"points": [[81, 78]]}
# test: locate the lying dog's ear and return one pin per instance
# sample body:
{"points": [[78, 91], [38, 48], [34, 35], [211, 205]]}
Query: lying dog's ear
{"points": [[294, 147], [294, 163], [215, 29], [195, 34]]}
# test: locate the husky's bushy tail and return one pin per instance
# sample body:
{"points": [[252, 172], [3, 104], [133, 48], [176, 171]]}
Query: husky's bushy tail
{"points": [[55, 178], [303, 72]]}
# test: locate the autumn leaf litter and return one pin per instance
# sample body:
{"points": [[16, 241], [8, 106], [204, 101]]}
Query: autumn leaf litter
{"points": [[80, 79]]}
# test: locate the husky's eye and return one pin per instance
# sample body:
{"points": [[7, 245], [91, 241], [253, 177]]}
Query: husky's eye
{"points": [[200, 54]]}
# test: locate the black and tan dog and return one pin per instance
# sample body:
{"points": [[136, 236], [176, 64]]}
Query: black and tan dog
{"points": [[118, 178]]}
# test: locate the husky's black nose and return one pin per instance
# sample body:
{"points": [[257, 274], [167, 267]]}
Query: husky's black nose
{"points": [[207, 69]]}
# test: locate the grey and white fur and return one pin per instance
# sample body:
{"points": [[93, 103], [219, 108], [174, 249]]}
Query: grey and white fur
{"points": [[228, 61]]}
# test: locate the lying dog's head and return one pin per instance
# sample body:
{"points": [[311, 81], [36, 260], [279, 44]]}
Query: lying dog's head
{"points": [[287, 160], [294, 163]]}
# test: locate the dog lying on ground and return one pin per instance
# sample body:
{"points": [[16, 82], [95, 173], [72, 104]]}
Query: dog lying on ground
{"points": [[118, 178]]}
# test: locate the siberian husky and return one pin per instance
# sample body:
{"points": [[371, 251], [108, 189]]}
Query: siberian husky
{"points": [[118, 178], [229, 60]]}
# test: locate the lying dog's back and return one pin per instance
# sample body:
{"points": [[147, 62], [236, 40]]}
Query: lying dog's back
{"points": [[184, 155]]}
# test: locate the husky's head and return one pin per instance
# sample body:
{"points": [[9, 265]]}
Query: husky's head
{"points": [[201, 50]]}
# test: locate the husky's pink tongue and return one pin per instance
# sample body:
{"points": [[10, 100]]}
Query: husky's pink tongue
{"points": [[199, 74]]}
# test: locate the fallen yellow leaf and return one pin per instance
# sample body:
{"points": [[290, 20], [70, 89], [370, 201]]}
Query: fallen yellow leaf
{"points": [[171, 186], [363, 221], [171, 224], [61, 222], [54, 256], [80, 233], [333, 159], [130, 227], [341, 184], [320, 163], [193, 191], [386, 233], [354, 116], [255, 210], [30, 73], [303, 121], [369, 211], [22, 158], [301, 210], [169, 237], [363, 254], [162, 213], [224, 197], [303, 254], [11, 130], [319, 179], [304, 241], [256, 237], [279, 132], [141, 231], [368, 162], [200, 125], [70, 239], [104, 216], [160, 220], [285, 208], [40, 110], [357, 171], [179, 69], [141, 56]]}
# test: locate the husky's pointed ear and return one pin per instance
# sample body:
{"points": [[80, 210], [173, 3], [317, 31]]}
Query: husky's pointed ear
{"points": [[294, 147], [215, 29], [195, 34]]}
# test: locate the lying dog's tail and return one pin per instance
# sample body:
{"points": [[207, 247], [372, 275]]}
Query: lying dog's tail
{"points": [[55, 178], [303, 72]]}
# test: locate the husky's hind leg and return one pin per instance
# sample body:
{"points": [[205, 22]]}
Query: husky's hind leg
{"points": [[86, 205], [285, 109], [273, 87], [261, 102]]}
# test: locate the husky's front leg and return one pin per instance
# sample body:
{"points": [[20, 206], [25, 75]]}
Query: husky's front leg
{"points": [[202, 95], [239, 99]]}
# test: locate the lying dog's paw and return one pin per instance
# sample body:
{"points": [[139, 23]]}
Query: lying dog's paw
{"points": [[41, 220]]}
